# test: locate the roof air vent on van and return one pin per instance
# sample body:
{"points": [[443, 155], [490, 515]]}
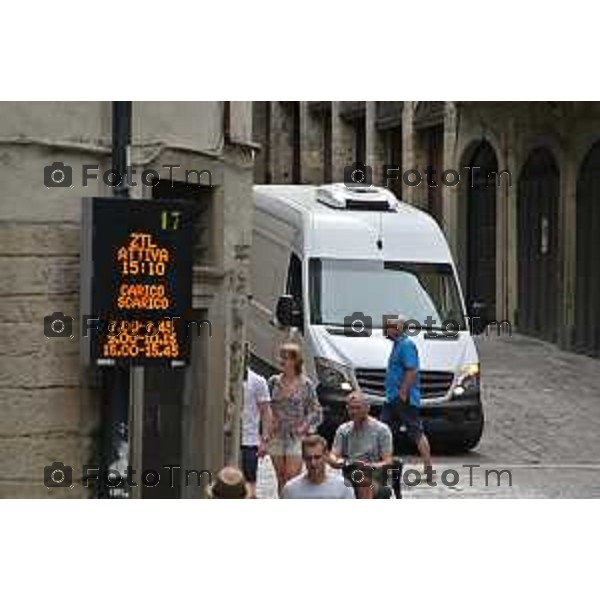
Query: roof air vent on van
{"points": [[372, 198]]}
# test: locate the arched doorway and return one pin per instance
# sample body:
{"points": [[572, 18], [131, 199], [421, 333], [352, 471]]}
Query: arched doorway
{"points": [[481, 232], [537, 239], [587, 274]]}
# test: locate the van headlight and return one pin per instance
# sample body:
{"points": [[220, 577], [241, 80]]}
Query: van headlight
{"points": [[467, 379], [334, 375]]}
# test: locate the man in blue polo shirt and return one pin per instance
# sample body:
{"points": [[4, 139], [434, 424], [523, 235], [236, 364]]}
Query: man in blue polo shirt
{"points": [[402, 394]]}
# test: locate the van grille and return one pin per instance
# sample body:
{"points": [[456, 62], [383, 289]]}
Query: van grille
{"points": [[434, 384]]}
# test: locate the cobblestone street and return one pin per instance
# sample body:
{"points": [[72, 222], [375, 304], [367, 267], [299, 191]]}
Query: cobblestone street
{"points": [[542, 410]]}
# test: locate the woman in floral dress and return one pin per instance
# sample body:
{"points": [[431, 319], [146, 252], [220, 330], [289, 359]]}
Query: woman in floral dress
{"points": [[296, 413]]}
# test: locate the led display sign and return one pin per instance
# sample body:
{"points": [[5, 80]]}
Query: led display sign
{"points": [[136, 278]]}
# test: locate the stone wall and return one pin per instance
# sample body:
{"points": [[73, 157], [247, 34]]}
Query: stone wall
{"points": [[50, 404]]}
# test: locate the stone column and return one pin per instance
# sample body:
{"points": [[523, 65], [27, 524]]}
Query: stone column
{"points": [[511, 192], [409, 159], [342, 140], [567, 249], [501, 232], [420, 192], [204, 439], [375, 151], [238, 212], [239, 302], [260, 135], [281, 153], [451, 162], [311, 146]]}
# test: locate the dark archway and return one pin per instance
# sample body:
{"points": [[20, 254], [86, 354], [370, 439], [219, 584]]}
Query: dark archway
{"points": [[481, 231], [587, 274], [537, 240]]}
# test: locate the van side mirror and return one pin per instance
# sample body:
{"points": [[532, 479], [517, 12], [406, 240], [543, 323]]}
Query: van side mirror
{"points": [[288, 311]]}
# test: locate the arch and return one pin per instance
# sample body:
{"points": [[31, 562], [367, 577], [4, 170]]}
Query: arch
{"points": [[469, 146], [478, 220], [587, 270], [583, 145], [537, 244], [551, 142]]}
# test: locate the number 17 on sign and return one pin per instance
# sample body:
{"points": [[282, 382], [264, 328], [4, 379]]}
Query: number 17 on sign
{"points": [[170, 219]]}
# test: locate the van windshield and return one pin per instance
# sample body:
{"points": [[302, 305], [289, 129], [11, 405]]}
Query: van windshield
{"points": [[340, 288]]}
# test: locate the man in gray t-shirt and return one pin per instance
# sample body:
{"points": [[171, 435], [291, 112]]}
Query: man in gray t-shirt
{"points": [[364, 441], [317, 483]]}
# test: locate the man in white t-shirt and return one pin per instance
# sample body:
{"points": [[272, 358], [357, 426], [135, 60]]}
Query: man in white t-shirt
{"points": [[318, 482], [256, 425]]}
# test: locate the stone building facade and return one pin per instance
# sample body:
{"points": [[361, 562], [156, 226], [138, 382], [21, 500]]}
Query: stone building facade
{"points": [[50, 405], [520, 214]]}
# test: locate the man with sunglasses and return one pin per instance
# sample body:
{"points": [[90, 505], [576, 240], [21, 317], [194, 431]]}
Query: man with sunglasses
{"points": [[318, 482]]}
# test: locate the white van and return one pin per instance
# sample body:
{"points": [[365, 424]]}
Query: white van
{"points": [[331, 263]]}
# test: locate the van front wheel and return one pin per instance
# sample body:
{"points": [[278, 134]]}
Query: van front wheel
{"points": [[469, 443], [472, 438]]}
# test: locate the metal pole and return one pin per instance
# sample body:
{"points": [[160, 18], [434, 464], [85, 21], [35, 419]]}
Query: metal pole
{"points": [[136, 428], [121, 140], [118, 432], [135, 417], [115, 442]]}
